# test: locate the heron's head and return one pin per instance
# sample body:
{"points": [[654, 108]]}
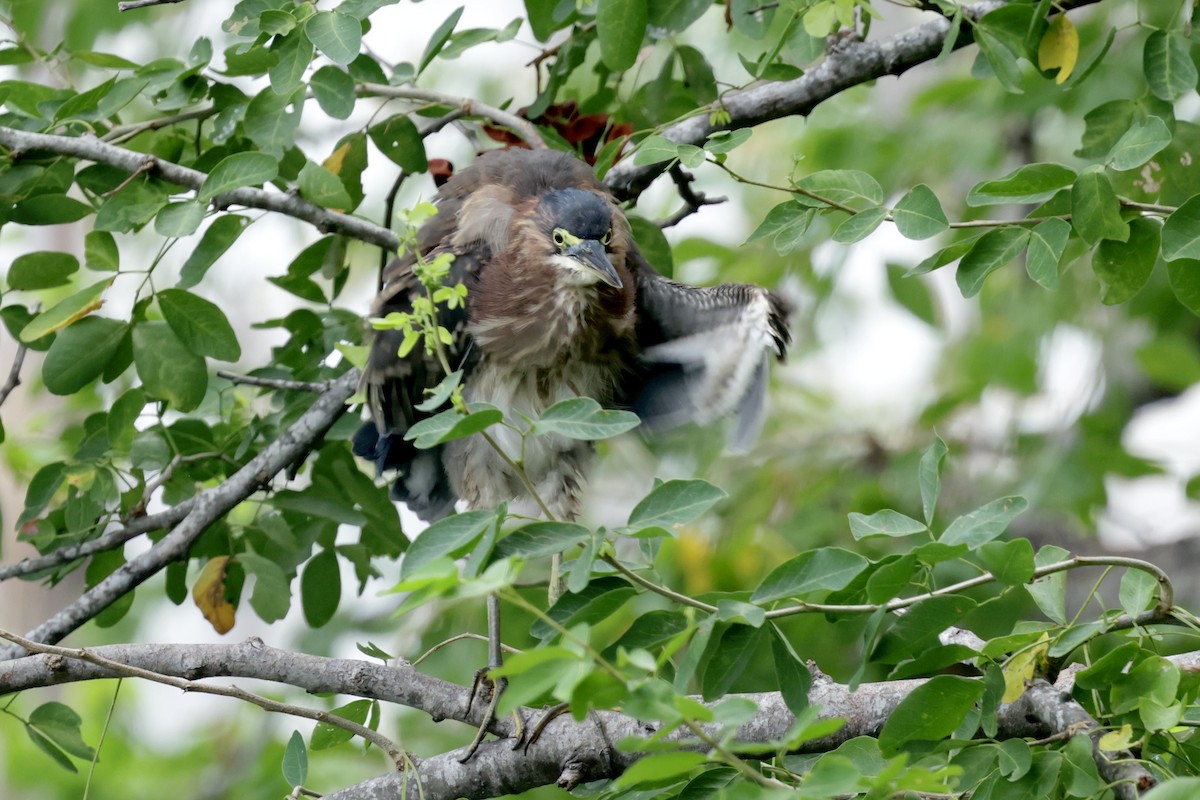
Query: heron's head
{"points": [[578, 226]]}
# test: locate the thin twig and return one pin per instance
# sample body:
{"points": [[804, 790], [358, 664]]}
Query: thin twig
{"points": [[459, 638], [121, 133], [694, 200], [379, 740], [14, 374], [549, 52], [130, 5], [274, 383], [471, 107], [109, 541]]}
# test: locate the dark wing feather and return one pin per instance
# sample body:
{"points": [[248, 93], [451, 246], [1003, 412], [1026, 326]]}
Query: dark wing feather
{"points": [[704, 351]]}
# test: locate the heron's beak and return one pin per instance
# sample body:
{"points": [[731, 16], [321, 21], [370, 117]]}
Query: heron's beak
{"points": [[590, 254]]}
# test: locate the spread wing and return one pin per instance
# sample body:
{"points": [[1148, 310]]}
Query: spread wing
{"points": [[704, 352]]}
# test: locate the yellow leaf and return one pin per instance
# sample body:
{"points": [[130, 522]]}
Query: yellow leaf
{"points": [[338, 158], [1021, 668], [66, 311], [1119, 739], [209, 595], [1059, 48]]}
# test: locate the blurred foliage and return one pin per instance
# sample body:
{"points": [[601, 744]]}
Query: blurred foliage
{"points": [[1052, 169]]}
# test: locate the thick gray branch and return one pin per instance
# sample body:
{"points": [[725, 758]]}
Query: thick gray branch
{"points": [[207, 507], [91, 149], [567, 753], [849, 64]]}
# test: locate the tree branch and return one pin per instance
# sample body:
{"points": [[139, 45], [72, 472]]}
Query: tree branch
{"points": [[109, 541], [130, 5], [469, 107], [273, 383], [207, 507], [14, 374], [124, 670], [569, 753], [92, 149], [851, 64]]}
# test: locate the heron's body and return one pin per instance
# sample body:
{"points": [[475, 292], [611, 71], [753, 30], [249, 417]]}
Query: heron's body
{"points": [[560, 304]]}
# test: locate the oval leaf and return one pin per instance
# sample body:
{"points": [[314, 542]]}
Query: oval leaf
{"points": [[237, 170]]}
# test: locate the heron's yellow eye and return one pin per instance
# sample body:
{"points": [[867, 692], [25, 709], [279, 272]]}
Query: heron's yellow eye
{"points": [[606, 239], [560, 238]]}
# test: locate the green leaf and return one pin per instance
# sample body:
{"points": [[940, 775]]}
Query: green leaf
{"points": [[1104, 126], [541, 539], [334, 90], [846, 187], [450, 536], [860, 225], [337, 35], [1124, 267], [791, 673], [931, 711], [199, 324], [326, 735], [653, 244], [1181, 232], [929, 476], [1047, 241], [168, 368], [319, 185], [1011, 562], [293, 53], [1174, 789], [655, 148], [1139, 144], [886, 523], [829, 568], [1095, 209], [1184, 275], [270, 125], [984, 523], [727, 657], [1032, 183], [724, 141], [218, 238], [179, 219], [441, 393], [599, 600], [295, 761], [320, 588], [61, 725], [621, 27], [439, 38], [237, 170], [676, 502], [1138, 590], [452, 424], [66, 311], [1167, 63], [1001, 60], [272, 597], [1050, 592], [80, 352], [990, 252], [583, 418], [398, 139], [50, 749], [48, 209], [100, 252], [659, 767], [919, 215], [43, 269]]}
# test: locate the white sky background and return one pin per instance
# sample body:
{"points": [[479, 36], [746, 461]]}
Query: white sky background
{"points": [[865, 339]]}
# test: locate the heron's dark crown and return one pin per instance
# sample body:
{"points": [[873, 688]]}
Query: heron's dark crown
{"points": [[584, 214]]}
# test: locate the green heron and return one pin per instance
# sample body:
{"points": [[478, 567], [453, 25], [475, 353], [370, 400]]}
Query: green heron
{"points": [[560, 303]]}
